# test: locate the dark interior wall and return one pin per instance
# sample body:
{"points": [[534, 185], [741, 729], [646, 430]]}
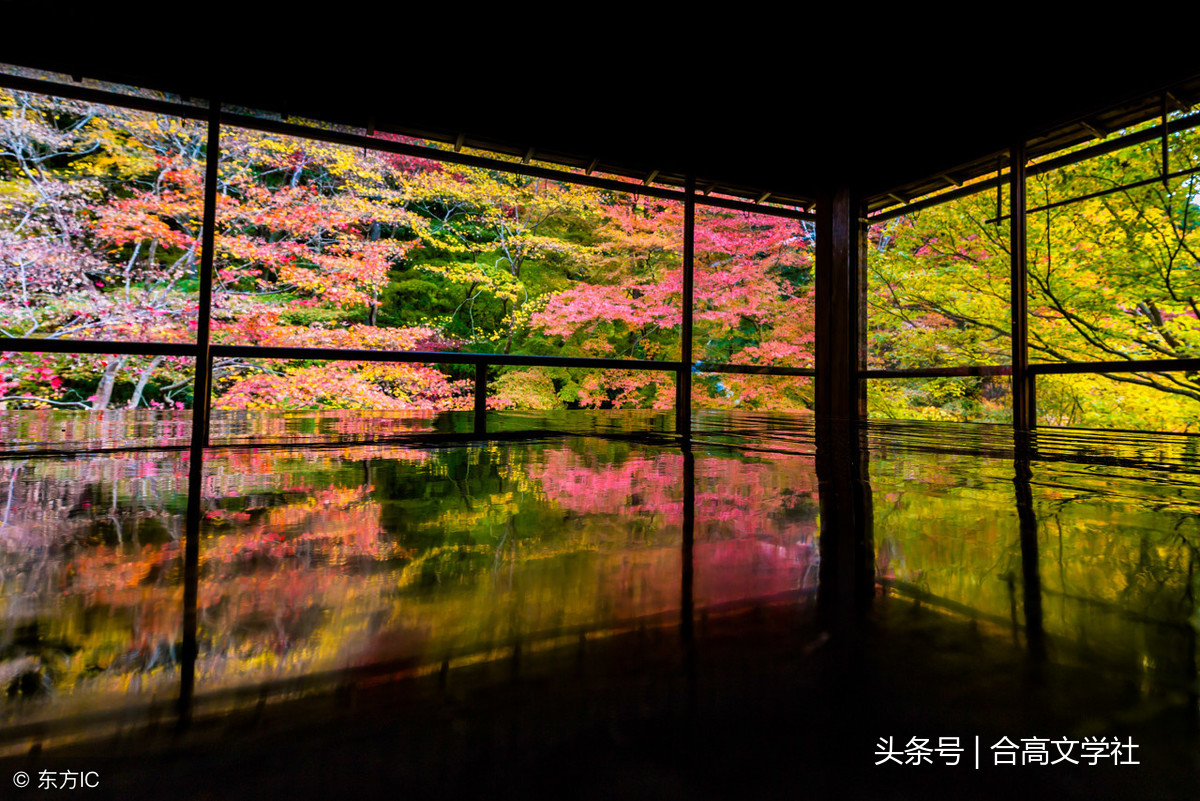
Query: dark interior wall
{"points": [[871, 110]]}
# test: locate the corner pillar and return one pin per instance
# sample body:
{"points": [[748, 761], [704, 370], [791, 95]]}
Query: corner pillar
{"points": [[841, 296]]}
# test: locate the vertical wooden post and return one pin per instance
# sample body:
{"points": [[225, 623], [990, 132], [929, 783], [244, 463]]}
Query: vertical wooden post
{"points": [[1024, 408], [480, 398], [847, 569], [840, 314], [1031, 582], [683, 376], [1166, 144], [208, 369], [1024, 413], [846, 576], [687, 577], [687, 581], [201, 390]]}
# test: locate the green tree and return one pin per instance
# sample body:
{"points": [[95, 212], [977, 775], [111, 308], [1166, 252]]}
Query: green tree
{"points": [[1113, 277]]}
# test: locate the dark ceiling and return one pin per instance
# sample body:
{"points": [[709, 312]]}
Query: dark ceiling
{"points": [[770, 125]]}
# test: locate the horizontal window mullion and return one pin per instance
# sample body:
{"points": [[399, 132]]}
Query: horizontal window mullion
{"points": [[1149, 365], [447, 156], [438, 357], [30, 345], [752, 369], [941, 372], [87, 94]]}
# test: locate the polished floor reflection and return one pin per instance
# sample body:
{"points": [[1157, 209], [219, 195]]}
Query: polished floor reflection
{"points": [[905, 580]]}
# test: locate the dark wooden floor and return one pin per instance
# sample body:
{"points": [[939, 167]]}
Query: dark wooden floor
{"points": [[763, 705]]}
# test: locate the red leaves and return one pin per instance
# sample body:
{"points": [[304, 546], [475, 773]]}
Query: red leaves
{"points": [[347, 385]]}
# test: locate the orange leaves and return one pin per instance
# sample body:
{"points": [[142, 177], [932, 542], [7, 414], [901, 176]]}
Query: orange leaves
{"points": [[168, 214], [262, 328], [333, 231], [346, 385]]}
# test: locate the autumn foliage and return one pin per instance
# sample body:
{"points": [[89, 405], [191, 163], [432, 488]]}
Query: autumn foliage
{"points": [[1112, 259], [320, 245], [327, 246]]}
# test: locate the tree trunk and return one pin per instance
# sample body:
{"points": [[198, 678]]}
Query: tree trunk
{"points": [[373, 306], [105, 388], [142, 379]]}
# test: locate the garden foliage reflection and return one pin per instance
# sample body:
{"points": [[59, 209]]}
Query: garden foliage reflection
{"points": [[320, 559], [317, 558]]}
